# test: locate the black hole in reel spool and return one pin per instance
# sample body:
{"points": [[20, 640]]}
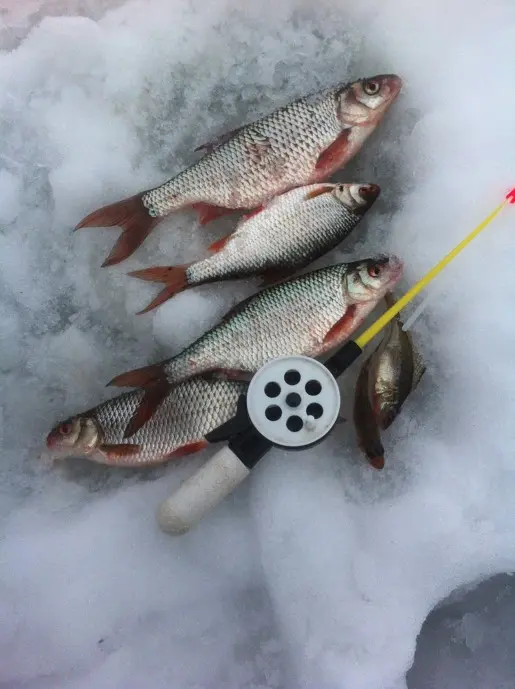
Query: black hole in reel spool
{"points": [[293, 399], [313, 388], [294, 424], [272, 389], [292, 377], [273, 412], [315, 409]]}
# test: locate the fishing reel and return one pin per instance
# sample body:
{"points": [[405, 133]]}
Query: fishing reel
{"points": [[292, 403]]}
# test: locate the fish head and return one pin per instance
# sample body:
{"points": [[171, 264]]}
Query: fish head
{"points": [[77, 434], [357, 198], [365, 101], [370, 279]]}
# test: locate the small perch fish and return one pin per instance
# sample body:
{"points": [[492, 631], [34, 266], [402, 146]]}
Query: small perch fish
{"points": [[303, 142], [308, 315], [188, 413], [293, 230], [386, 379]]}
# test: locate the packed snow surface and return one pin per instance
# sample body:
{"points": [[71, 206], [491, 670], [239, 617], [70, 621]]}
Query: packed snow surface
{"points": [[318, 572]]}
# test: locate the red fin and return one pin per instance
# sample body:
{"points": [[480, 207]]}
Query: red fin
{"points": [[139, 377], [339, 331], [207, 213], [118, 454], [129, 214], [174, 277], [228, 374], [330, 159], [219, 244], [253, 212], [317, 192], [152, 399], [189, 449], [163, 296]]}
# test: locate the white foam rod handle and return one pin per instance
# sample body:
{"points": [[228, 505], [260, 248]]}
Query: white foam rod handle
{"points": [[201, 492]]}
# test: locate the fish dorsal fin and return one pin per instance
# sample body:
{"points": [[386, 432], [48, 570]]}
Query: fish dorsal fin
{"points": [[225, 374], [269, 203], [273, 277], [210, 146]]}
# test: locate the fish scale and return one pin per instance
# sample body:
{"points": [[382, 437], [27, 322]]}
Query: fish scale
{"points": [[288, 318], [306, 315], [301, 143], [296, 135], [289, 234], [187, 414]]}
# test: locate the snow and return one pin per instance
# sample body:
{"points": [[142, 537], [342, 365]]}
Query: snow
{"points": [[318, 572]]}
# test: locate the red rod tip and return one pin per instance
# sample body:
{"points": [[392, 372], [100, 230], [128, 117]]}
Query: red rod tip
{"points": [[511, 195]]}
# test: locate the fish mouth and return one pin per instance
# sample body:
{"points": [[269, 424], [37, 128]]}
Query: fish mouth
{"points": [[51, 442], [394, 83], [369, 192], [396, 266]]}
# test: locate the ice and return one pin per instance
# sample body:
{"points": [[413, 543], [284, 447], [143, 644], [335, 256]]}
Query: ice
{"points": [[469, 642], [318, 572]]}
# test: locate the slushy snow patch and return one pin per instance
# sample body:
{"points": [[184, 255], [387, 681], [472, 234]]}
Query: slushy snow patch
{"points": [[318, 572]]}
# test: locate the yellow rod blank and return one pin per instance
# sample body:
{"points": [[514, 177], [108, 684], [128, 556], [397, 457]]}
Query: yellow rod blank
{"points": [[387, 316]]}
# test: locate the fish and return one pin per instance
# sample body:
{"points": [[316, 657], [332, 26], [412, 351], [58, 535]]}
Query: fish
{"points": [[309, 315], [386, 379], [190, 411], [290, 232], [300, 143]]}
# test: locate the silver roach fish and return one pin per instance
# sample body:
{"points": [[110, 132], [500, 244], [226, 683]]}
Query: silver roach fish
{"points": [[386, 379], [303, 142], [187, 414], [309, 314], [293, 230]]}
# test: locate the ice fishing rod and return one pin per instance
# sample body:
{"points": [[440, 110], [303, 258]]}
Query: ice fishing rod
{"points": [[292, 403]]}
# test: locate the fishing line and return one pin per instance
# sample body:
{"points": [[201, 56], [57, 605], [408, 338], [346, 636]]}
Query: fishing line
{"points": [[418, 311]]}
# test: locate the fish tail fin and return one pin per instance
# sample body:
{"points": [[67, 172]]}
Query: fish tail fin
{"points": [[152, 399], [144, 377], [174, 277], [132, 216]]}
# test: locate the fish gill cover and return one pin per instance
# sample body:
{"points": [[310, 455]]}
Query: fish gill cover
{"points": [[319, 572]]}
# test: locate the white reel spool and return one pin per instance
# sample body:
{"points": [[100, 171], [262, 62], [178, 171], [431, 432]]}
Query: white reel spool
{"points": [[293, 401]]}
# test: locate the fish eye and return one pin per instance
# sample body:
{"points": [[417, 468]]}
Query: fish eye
{"points": [[371, 87], [65, 428], [374, 270], [341, 187]]}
